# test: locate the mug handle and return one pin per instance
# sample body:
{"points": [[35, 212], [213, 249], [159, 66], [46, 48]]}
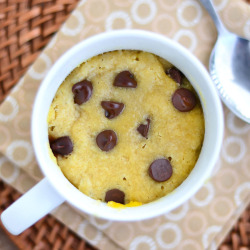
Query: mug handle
{"points": [[32, 206]]}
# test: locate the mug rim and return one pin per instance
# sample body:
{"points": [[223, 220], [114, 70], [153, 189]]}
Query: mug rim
{"points": [[153, 43]]}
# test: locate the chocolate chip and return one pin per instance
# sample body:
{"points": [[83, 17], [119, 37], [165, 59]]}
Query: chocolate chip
{"points": [[115, 195], [125, 79], [82, 91], [184, 100], [160, 170], [62, 146], [112, 109], [143, 129], [175, 74], [106, 140]]}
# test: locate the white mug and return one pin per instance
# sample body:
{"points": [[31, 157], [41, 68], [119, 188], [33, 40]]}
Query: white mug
{"points": [[55, 189]]}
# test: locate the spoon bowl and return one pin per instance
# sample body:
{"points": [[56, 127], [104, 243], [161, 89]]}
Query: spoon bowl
{"points": [[229, 68]]}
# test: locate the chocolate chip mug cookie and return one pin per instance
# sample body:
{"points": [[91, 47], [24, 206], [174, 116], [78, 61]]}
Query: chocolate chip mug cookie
{"points": [[126, 127]]}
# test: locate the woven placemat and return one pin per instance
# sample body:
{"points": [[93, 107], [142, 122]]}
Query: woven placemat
{"points": [[47, 233], [25, 28]]}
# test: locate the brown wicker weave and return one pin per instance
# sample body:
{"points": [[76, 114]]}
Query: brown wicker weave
{"points": [[26, 26], [48, 233], [239, 237]]}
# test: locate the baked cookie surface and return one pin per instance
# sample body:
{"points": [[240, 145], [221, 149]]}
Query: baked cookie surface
{"points": [[148, 127]]}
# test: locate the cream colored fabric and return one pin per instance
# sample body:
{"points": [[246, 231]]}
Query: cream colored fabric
{"points": [[204, 220]]}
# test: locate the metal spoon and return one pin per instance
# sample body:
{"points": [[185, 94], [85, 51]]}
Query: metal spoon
{"points": [[229, 67]]}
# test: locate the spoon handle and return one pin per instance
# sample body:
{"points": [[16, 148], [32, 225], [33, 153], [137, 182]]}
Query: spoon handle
{"points": [[211, 10]]}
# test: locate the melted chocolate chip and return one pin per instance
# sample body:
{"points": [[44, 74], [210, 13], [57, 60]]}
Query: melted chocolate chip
{"points": [[82, 91], [184, 100], [62, 146], [115, 195], [106, 140], [175, 74], [143, 129], [125, 79], [160, 170], [112, 109]]}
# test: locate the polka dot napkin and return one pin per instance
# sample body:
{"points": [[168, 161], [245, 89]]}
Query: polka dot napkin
{"points": [[204, 220]]}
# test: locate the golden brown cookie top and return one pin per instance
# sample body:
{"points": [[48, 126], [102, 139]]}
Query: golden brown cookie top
{"points": [[135, 123]]}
